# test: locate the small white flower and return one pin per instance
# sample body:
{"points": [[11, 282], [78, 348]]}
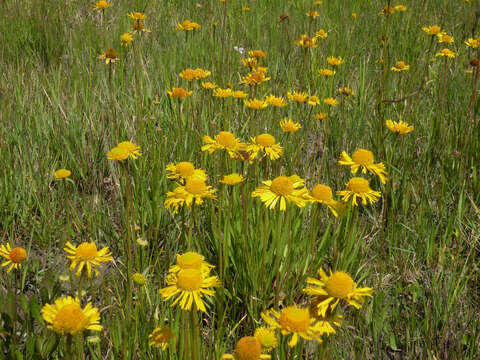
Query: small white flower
{"points": [[241, 50]]}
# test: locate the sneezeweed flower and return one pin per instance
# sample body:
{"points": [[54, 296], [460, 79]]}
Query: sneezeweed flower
{"points": [[287, 125], [267, 338], [399, 127], [307, 42], [66, 316], [188, 25], [259, 54], [295, 321], [110, 56], [473, 43], [320, 116], [322, 34], [209, 86], [326, 72], [101, 5], [339, 286], [255, 104], [276, 101], [193, 192], [225, 140], [126, 39], [222, 93], [363, 159], [194, 74], [313, 100], [62, 174], [400, 66], [400, 8], [446, 53], [245, 8], [346, 91], [137, 26], [387, 10], [191, 260], [354, 16], [124, 150], [232, 179], [250, 62], [179, 93], [297, 96], [282, 189], [265, 143], [432, 30], [14, 256], [257, 76], [327, 321], [313, 14], [87, 255], [318, 2], [335, 61], [184, 170], [247, 348], [359, 187], [161, 337], [189, 286], [443, 37], [139, 279], [239, 94], [323, 194], [137, 16], [117, 154], [330, 101]]}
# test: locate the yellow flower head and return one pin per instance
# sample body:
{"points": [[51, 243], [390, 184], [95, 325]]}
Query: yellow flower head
{"points": [[446, 52], [248, 348], [66, 316], [257, 76], [400, 8], [307, 42], [101, 5], [193, 192], [313, 100], [86, 254], [282, 189], [346, 91], [287, 125], [473, 43], [320, 116], [188, 25], [323, 194], [139, 279], [190, 285], [124, 150], [330, 101], [126, 39], [432, 30], [267, 338], [138, 27], [209, 86], [326, 72], [443, 37], [354, 16], [295, 321], [110, 56], [265, 143], [191, 260], [14, 256], [250, 62], [259, 54], [239, 94], [297, 96], [194, 74], [400, 127], [276, 101], [313, 14], [400, 66], [138, 16], [335, 61], [338, 286], [184, 170], [232, 179], [225, 140], [359, 187], [62, 174], [363, 159], [222, 93], [255, 104], [329, 319], [322, 34], [161, 337], [387, 10], [245, 8], [179, 93]]}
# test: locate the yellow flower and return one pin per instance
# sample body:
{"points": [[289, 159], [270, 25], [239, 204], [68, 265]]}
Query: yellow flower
{"points": [[327, 321], [313, 14], [139, 279], [267, 338], [443, 37], [400, 127], [257, 76], [363, 159], [335, 61], [247, 348], [110, 56], [14, 256], [188, 25], [239, 94], [432, 30], [250, 62], [322, 34], [193, 192], [320, 116], [354, 16], [190, 285], [161, 337], [66, 316], [330, 101], [222, 93], [338, 286], [245, 8], [124, 150], [209, 86], [191, 260], [323, 194], [298, 97], [138, 27], [282, 189], [346, 91], [179, 93], [307, 42], [259, 54], [255, 104], [232, 179], [62, 174], [473, 43], [400, 8], [194, 74], [446, 52], [287, 125], [318, 2], [86, 254], [359, 187], [184, 170], [223, 141], [400, 66], [326, 72], [293, 320], [387, 10], [275, 101], [138, 16], [266, 144], [126, 39], [117, 154], [313, 100], [101, 5]]}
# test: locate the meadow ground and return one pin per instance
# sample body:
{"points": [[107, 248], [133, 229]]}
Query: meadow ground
{"points": [[401, 268]]}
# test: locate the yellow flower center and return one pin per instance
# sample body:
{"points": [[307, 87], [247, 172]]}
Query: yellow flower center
{"points": [[339, 285], [17, 255], [87, 251], [363, 157], [295, 319], [184, 168], [195, 186], [111, 54], [265, 140], [189, 260], [69, 317], [282, 185], [266, 338], [322, 192], [226, 139], [189, 279], [358, 185], [248, 348], [400, 65]]}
